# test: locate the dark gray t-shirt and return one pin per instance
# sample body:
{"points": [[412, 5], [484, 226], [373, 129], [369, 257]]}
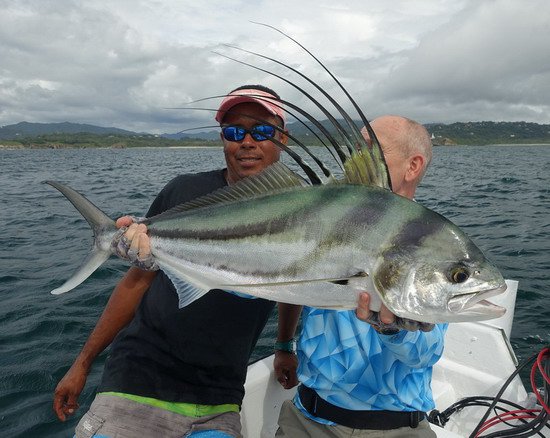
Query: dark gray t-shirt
{"points": [[197, 354]]}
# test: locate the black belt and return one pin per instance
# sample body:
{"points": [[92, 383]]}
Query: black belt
{"points": [[375, 420]]}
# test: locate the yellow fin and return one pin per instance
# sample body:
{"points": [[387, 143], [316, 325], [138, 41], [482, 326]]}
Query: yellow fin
{"points": [[367, 167]]}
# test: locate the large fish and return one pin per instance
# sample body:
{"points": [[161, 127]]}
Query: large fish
{"points": [[276, 237]]}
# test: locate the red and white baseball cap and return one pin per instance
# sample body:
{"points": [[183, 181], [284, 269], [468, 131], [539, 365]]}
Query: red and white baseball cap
{"points": [[250, 95]]}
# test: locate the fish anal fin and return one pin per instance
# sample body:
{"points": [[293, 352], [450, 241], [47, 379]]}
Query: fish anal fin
{"points": [[187, 292]]}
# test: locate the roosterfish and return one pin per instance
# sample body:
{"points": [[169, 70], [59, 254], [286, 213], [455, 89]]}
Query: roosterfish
{"points": [[317, 243]]}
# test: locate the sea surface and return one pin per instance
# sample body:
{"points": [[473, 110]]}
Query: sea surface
{"points": [[500, 195]]}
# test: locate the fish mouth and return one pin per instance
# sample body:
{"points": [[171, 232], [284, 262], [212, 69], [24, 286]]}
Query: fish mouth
{"points": [[476, 303]]}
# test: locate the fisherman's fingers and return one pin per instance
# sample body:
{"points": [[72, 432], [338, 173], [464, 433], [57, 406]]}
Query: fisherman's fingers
{"points": [[132, 243], [124, 221], [290, 379], [398, 324], [65, 406], [285, 365], [71, 405], [58, 402], [120, 243], [413, 326], [363, 311], [123, 238], [426, 327], [381, 327], [143, 257], [386, 316], [66, 394], [383, 321]]}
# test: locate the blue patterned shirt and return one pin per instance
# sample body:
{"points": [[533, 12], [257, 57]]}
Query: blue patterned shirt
{"points": [[352, 366]]}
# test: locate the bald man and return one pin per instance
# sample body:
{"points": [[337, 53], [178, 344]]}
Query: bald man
{"points": [[355, 379]]}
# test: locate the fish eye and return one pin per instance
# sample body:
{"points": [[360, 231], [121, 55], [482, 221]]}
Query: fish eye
{"points": [[459, 274]]}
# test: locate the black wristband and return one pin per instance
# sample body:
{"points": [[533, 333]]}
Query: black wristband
{"points": [[288, 346]]}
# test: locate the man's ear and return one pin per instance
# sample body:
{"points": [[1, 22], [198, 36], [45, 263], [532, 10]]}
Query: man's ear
{"points": [[416, 165]]}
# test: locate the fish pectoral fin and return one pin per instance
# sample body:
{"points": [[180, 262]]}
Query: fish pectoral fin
{"points": [[187, 292]]}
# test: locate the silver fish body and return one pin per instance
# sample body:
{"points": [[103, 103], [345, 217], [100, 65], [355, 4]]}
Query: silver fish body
{"points": [[320, 245]]}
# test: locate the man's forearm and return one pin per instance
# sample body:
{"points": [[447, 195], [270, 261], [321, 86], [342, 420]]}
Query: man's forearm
{"points": [[119, 311], [289, 315]]}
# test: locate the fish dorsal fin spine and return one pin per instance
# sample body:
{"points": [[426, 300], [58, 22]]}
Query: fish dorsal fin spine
{"points": [[272, 179], [366, 166]]}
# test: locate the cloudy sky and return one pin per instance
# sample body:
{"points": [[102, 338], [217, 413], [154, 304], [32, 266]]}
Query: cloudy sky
{"points": [[125, 63]]}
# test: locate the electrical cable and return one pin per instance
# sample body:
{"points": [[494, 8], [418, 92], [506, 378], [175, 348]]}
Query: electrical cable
{"points": [[532, 421]]}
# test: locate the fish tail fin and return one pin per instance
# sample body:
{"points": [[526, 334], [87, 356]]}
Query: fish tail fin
{"points": [[102, 226], [94, 260]]}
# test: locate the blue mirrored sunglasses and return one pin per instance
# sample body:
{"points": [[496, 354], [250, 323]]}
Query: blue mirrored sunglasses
{"points": [[258, 132]]}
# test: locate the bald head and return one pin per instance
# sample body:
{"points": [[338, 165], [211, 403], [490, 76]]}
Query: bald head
{"points": [[407, 149]]}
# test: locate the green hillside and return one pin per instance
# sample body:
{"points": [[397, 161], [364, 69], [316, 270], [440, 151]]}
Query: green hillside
{"points": [[26, 129], [480, 133], [58, 135]]}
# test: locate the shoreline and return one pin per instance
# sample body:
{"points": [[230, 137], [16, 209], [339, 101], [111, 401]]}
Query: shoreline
{"points": [[20, 147]]}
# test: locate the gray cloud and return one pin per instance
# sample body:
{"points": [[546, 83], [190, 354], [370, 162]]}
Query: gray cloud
{"points": [[124, 63], [490, 63]]}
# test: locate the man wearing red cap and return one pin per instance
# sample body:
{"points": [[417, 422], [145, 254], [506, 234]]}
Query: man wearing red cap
{"points": [[249, 156], [179, 372]]}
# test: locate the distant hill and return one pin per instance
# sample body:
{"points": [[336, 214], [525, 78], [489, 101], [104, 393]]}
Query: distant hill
{"points": [[474, 133], [26, 129], [205, 135], [469, 133], [480, 133]]}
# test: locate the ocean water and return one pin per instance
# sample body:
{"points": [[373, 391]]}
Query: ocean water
{"points": [[500, 195]]}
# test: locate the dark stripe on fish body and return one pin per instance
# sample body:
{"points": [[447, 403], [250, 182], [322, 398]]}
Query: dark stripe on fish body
{"points": [[276, 224], [407, 241], [370, 209], [361, 207], [416, 230]]}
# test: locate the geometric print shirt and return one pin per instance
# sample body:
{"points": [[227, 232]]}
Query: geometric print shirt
{"points": [[351, 365]]}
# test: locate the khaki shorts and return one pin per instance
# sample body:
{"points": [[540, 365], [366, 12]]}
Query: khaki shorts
{"points": [[293, 424], [112, 416]]}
